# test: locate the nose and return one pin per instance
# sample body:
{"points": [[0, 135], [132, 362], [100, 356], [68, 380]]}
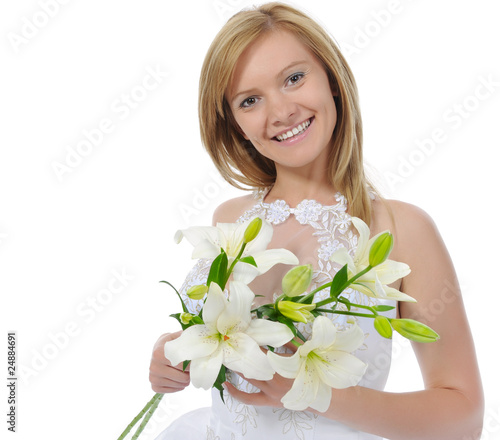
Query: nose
{"points": [[282, 109]]}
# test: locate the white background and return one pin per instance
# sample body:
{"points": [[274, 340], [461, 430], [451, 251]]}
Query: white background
{"points": [[64, 236]]}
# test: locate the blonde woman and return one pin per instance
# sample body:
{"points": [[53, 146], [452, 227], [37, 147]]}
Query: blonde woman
{"points": [[279, 113]]}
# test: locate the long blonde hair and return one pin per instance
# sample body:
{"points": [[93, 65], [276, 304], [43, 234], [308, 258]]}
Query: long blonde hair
{"points": [[236, 159]]}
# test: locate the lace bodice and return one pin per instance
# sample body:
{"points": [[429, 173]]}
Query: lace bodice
{"points": [[312, 232]]}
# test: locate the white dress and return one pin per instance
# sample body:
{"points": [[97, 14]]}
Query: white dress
{"points": [[313, 232]]}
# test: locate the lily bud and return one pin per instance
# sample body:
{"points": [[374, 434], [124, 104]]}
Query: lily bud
{"points": [[297, 280], [252, 230], [186, 318], [414, 330], [297, 311], [380, 249], [197, 292], [383, 326]]}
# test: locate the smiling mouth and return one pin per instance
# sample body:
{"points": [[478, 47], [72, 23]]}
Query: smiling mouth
{"points": [[299, 129]]}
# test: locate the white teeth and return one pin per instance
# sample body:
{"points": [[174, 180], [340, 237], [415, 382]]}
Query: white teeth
{"points": [[294, 131]]}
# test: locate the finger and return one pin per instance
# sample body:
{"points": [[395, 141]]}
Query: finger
{"points": [[162, 375]]}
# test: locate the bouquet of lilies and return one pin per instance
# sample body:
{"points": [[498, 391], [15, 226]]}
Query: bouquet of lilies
{"points": [[228, 334]]}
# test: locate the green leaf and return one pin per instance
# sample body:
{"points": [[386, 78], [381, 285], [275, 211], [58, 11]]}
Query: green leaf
{"points": [[249, 260], [338, 282], [218, 269], [185, 365], [197, 320], [221, 378], [382, 308], [267, 310], [289, 323]]}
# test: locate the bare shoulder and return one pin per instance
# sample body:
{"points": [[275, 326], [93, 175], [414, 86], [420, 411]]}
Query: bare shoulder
{"points": [[231, 210], [412, 227]]}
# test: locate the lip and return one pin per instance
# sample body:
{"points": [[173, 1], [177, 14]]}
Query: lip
{"points": [[296, 138]]}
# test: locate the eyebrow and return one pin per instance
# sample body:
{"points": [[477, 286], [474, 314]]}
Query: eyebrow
{"points": [[280, 73]]}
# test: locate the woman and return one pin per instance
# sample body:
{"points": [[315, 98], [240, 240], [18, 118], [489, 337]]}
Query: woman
{"points": [[279, 113]]}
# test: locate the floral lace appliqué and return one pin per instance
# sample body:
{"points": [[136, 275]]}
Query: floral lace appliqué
{"points": [[278, 212]]}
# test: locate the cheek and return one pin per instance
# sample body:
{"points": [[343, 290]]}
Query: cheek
{"points": [[250, 126]]}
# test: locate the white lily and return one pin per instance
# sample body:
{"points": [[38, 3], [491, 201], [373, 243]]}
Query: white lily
{"points": [[375, 282], [228, 336], [208, 240], [320, 364]]}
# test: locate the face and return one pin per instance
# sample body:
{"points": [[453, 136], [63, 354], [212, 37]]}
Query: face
{"points": [[281, 100]]}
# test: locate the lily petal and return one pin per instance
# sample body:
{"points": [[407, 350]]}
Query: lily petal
{"points": [[242, 354], [390, 271], [324, 334], [266, 332], [393, 293], [262, 240], [364, 235], [196, 234], [350, 340], [303, 391], [341, 256], [231, 237], [204, 371], [236, 315], [195, 342], [245, 272], [265, 260], [323, 398], [214, 305], [205, 249], [286, 366], [340, 369], [268, 258]]}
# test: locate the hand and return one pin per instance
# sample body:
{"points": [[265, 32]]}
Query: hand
{"points": [[271, 391], [165, 377]]}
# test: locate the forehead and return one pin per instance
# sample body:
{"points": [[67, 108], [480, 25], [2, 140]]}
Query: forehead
{"points": [[268, 56]]}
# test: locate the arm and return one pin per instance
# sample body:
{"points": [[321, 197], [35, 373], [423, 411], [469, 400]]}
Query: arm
{"points": [[451, 406]]}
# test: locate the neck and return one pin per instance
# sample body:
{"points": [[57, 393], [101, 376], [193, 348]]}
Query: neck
{"points": [[294, 185]]}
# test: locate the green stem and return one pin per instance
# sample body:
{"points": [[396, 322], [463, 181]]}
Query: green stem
{"points": [[184, 309], [139, 416], [345, 286], [313, 292], [228, 274], [145, 421], [342, 312]]}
